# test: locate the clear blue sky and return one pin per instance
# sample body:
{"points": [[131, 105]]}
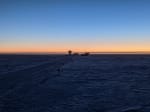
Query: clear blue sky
{"points": [[59, 25]]}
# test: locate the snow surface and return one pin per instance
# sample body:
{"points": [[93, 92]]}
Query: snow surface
{"points": [[55, 83]]}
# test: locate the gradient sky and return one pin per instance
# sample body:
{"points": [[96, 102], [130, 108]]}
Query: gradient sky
{"points": [[80, 25]]}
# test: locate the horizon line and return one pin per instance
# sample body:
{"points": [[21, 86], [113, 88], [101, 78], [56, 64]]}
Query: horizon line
{"points": [[96, 52]]}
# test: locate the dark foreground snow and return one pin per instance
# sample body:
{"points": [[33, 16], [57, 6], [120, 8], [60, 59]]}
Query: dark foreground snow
{"points": [[97, 83]]}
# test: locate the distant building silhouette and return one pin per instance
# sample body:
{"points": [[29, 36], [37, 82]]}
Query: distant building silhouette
{"points": [[85, 54], [76, 54]]}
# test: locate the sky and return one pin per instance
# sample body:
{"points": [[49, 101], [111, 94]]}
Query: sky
{"points": [[40, 26]]}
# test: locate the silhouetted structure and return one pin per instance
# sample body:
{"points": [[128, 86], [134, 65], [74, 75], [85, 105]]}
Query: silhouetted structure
{"points": [[85, 54], [70, 52], [76, 54]]}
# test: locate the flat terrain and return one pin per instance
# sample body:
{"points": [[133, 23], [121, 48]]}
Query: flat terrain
{"points": [[57, 83]]}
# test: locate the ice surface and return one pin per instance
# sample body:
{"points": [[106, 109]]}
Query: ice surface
{"points": [[96, 83]]}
